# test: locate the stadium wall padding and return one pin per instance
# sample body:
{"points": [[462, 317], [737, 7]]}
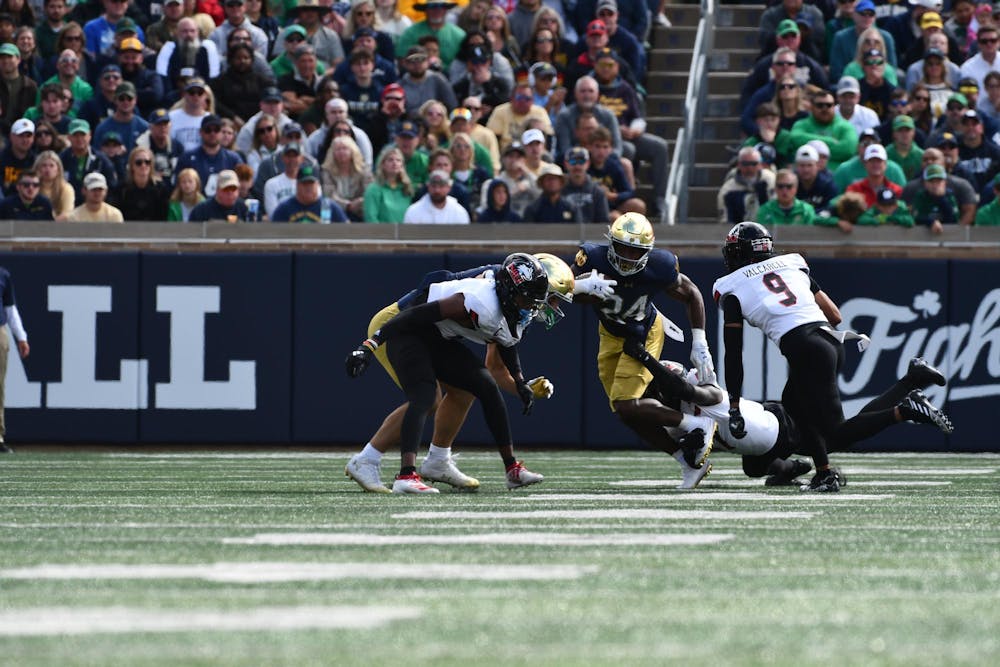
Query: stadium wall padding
{"points": [[153, 347]]}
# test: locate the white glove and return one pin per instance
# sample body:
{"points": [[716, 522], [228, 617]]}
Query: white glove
{"points": [[701, 357], [594, 285], [541, 387]]}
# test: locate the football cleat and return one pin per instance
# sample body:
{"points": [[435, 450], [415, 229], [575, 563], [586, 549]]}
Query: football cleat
{"points": [[824, 481], [4, 449], [445, 470], [411, 484], [798, 467], [691, 477], [922, 373], [696, 444], [518, 476], [916, 408], [366, 473]]}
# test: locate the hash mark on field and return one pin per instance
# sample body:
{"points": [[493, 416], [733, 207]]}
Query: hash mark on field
{"points": [[45, 621], [528, 539], [633, 514], [269, 572], [708, 495]]}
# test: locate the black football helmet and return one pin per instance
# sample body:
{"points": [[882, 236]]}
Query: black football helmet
{"points": [[747, 243], [522, 286]]}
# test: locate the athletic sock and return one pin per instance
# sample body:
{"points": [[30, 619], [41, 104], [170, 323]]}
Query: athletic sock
{"points": [[508, 461], [407, 470], [372, 454], [435, 453]]}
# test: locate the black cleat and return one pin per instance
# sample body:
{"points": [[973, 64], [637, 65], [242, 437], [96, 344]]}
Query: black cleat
{"points": [[799, 467], [923, 374], [916, 408], [824, 481], [4, 449], [841, 477]]}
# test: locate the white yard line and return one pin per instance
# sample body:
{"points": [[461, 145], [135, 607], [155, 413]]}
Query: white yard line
{"points": [[702, 496], [629, 514], [520, 538], [268, 572], [47, 621]]}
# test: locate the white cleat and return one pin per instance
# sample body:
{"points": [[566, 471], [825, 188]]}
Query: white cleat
{"points": [[411, 484], [366, 473], [691, 477], [445, 470], [696, 444], [518, 476]]}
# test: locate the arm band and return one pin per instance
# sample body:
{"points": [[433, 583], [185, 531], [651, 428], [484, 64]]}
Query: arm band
{"points": [[512, 361], [733, 338], [14, 321]]}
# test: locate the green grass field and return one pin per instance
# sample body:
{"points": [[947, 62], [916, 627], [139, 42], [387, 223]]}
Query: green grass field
{"points": [[275, 558]]}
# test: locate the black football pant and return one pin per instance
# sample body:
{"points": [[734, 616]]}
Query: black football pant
{"points": [[420, 360]]}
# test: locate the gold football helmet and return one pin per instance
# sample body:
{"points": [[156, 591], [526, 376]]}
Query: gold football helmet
{"points": [[561, 283], [631, 238]]}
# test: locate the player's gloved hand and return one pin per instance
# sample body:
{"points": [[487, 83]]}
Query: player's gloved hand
{"points": [[594, 285], [527, 396], [541, 387], [737, 426], [701, 357], [635, 349], [358, 360]]}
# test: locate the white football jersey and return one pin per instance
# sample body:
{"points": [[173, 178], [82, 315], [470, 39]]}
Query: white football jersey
{"points": [[774, 294], [483, 306]]}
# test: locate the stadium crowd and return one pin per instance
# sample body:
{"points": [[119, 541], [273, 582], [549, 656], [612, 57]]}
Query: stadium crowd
{"points": [[326, 110], [862, 112]]}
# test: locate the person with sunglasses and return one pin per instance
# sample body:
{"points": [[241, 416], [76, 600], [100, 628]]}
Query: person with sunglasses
{"points": [[124, 121], [783, 63], [100, 32], [53, 19], [824, 124], [984, 62], [26, 203], [148, 84], [144, 196], [164, 31], [236, 18], [166, 152], [805, 70], [845, 42], [209, 159]]}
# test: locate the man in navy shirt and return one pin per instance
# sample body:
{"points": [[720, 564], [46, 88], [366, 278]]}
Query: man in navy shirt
{"points": [[308, 204], [26, 204], [550, 206], [225, 204], [9, 317], [18, 154], [210, 159], [124, 120]]}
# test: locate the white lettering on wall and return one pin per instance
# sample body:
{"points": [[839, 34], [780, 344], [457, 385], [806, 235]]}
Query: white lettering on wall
{"points": [[79, 387], [188, 389]]}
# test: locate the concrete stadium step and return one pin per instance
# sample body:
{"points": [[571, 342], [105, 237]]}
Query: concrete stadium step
{"points": [[664, 126], [722, 106], [673, 60], [667, 82], [738, 15], [715, 151], [733, 60], [720, 128], [676, 37], [726, 83], [737, 38], [683, 15], [702, 201], [665, 105], [711, 174]]}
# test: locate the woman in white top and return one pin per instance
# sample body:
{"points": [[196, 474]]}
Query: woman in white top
{"points": [[265, 141]]}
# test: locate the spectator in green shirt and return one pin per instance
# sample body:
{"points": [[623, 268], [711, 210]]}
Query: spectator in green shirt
{"points": [[990, 214], [903, 150], [785, 208], [935, 204], [888, 210]]}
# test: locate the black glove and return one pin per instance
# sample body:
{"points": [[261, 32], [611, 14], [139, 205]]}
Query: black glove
{"points": [[635, 348], [527, 396], [358, 360], [737, 426]]}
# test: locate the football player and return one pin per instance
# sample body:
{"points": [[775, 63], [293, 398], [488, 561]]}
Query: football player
{"points": [[629, 323], [777, 294], [452, 409], [772, 435]]}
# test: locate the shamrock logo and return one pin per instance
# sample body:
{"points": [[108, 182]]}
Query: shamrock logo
{"points": [[928, 303]]}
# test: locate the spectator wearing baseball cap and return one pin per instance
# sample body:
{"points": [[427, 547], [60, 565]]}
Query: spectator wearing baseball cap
{"points": [[815, 184], [422, 84], [848, 96], [875, 161], [786, 208], [157, 139], [79, 159], [550, 205], [888, 210], [125, 121], [932, 64], [148, 84], [94, 207], [979, 154], [309, 14], [225, 204], [437, 206], [777, 21], [935, 205], [308, 203], [17, 91], [235, 17], [209, 159], [854, 169], [580, 191], [18, 154], [903, 150], [271, 103], [845, 42]]}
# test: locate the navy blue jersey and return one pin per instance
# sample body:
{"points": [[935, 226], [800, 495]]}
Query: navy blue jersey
{"points": [[629, 312], [6, 294]]}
